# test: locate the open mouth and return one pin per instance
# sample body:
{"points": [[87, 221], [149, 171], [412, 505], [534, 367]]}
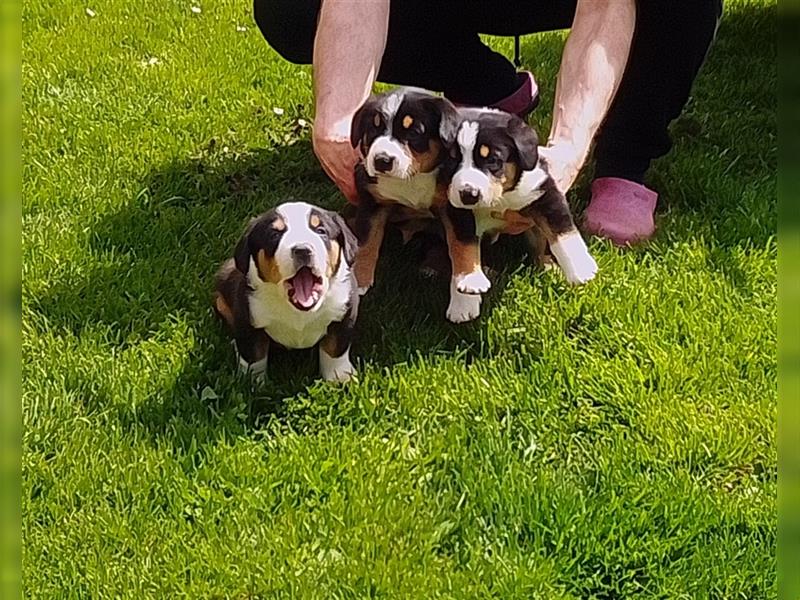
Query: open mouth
{"points": [[304, 289]]}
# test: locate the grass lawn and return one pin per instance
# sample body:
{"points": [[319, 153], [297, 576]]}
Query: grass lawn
{"points": [[611, 441]]}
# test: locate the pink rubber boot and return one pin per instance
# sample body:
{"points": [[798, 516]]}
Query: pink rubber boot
{"points": [[524, 100], [521, 102], [621, 211]]}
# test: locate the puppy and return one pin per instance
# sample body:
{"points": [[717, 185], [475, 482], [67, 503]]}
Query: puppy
{"points": [[290, 281], [398, 180], [500, 184]]}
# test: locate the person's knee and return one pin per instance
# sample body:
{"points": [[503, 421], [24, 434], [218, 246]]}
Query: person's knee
{"points": [[288, 26]]}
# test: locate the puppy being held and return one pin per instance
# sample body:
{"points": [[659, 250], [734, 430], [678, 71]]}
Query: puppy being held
{"points": [[290, 282], [398, 180], [500, 184]]}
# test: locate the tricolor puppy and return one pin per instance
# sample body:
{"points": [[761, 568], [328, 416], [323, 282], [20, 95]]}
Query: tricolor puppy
{"points": [[398, 180], [290, 282], [500, 184]]}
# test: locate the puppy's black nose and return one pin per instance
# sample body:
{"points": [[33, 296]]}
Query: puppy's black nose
{"points": [[383, 163], [469, 196], [301, 254]]}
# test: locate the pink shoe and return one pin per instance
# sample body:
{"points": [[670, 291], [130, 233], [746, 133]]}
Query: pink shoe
{"points": [[523, 101], [621, 211]]}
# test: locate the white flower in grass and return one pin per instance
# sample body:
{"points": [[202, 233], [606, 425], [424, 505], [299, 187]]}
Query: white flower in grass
{"points": [[278, 110], [196, 10], [241, 28], [90, 13]]}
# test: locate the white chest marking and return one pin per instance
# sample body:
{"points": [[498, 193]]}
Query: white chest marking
{"points": [[417, 192], [270, 310]]}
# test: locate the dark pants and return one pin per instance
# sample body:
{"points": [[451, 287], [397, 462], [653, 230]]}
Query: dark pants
{"points": [[434, 44]]}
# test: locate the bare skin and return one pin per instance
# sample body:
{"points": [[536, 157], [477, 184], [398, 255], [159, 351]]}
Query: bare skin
{"points": [[592, 65], [351, 38]]}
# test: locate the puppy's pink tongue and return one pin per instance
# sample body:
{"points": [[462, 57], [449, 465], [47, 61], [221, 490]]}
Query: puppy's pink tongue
{"points": [[303, 283]]}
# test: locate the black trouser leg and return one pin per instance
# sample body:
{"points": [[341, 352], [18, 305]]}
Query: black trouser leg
{"points": [[669, 46], [435, 44], [431, 43], [289, 26]]}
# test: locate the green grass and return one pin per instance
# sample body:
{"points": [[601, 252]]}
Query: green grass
{"points": [[611, 441]]}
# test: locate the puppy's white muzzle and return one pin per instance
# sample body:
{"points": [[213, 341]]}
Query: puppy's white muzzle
{"points": [[387, 156], [470, 188]]}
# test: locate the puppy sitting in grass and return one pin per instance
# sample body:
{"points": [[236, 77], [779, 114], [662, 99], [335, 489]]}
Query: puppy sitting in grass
{"points": [[500, 184], [290, 282], [398, 179]]}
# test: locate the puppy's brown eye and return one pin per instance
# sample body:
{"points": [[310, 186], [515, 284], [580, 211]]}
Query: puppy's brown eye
{"points": [[376, 120]]}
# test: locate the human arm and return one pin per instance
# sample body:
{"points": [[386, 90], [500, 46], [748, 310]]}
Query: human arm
{"points": [[592, 65], [349, 45]]}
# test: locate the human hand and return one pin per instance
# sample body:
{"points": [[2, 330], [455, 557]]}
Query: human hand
{"points": [[338, 158]]}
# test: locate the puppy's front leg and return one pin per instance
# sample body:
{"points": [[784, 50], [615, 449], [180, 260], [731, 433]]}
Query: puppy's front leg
{"points": [[334, 349], [537, 244], [252, 346], [552, 214], [370, 225], [468, 281]]}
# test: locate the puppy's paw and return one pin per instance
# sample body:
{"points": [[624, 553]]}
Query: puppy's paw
{"points": [[428, 272], [473, 283], [256, 370], [338, 370], [574, 259], [463, 307], [581, 269]]}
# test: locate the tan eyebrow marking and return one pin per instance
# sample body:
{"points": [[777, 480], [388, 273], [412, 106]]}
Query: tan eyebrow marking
{"points": [[279, 224], [408, 121], [314, 221], [484, 150]]}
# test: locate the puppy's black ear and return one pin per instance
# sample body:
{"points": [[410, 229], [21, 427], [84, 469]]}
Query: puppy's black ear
{"points": [[241, 254], [347, 240], [449, 121], [526, 142], [360, 121]]}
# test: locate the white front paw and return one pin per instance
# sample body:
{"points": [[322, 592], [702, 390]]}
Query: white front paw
{"points": [[581, 270], [463, 307], [574, 259], [473, 283], [256, 370], [339, 369]]}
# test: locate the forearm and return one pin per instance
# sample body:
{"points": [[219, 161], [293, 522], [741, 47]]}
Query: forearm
{"points": [[349, 45], [592, 66]]}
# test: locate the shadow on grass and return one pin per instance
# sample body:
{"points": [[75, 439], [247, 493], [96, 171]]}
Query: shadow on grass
{"points": [[155, 258], [154, 262]]}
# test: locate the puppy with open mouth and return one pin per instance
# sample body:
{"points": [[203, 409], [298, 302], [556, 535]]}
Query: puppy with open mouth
{"points": [[500, 184], [290, 282], [398, 179]]}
